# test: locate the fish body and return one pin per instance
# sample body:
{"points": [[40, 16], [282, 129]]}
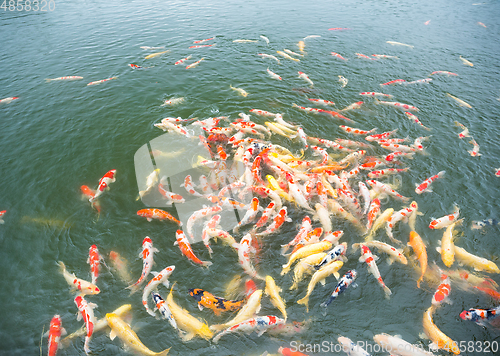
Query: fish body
{"points": [[81, 285], [480, 316], [443, 291], [397, 105], [443, 72], [180, 61], [404, 348], [393, 252], [475, 150], [394, 43], [384, 56], [147, 262], [94, 260], [265, 55], [459, 101], [293, 53], [248, 310], [373, 212], [157, 214], [9, 99], [334, 54], [153, 55], [244, 250], [301, 45], [305, 266], [125, 333], [476, 262], [162, 306], [322, 102], [445, 220], [86, 311], [366, 256], [439, 339], [185, 247], [205, 40], [264, 38], [343, 81], [344, 282], [159, 278], [195, 64], [2, 213], [394, 82], [306, 78], [240, 91], [71, 77], [245, 41], [364, 56], [172, 102], [350, 348], [304, 252], [101, 81], [55, 332], [374, 94], [381, 187], [148, 48], [201, 46], [466, 62], [286, 55], [447, 248], [425, 185], [258, 324], [274, 293], [420, 251], [216, 304], [104, 182], [120, 264]]}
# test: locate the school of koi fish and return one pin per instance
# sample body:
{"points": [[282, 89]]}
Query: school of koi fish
{"points": [[325, 184]]}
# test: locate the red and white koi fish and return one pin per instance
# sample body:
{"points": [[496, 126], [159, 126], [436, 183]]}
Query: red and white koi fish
{"points": [[296, 192], [135, 66], [374, 94], [147, 262], [425, 186], [158, 214], [185, 247], [81, 285], [384, 188], [339, 29], [188, 185], [415, 119], [206, 40], [2, 213], [277, 222], [397, 148], [210, 122], [390, 157], [393, 140], [180, 61], [305, 228], [259, 324], [397, 105], [323, 102], [360, 55], [9, 99], [373, 212], [265, 55], [355, 131], [205, 237], [475, 151], [384, 56], [302, 136], [101, 81], [372, 165], [250, 214], [202, 213], [366, 256], [397, 216], [268, 211], [244, 249], [171, 197], [202, 46], [353, 106], [328, 143], [86, 311], [306, 78], [443, 72], [262, 113], [338, 56], [94, 260], [465, 132], [395, 81], [120, 265], [386, 172], [365, 193], [354, 157], [394, 253], [381, 136], [71, 77], [54, 333], [445, 220], [104, 182], [497, 173], [351, 143], [159, 278], [273, 75], [443, 291], [195, 64]]}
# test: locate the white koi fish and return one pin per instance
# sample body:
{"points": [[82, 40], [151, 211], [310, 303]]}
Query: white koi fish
{"points": [[81, 285], [101, 81], [244, 250], [445, 220], [173, 101], [343, 81], [71, 77], [465, 132], [306, 78], [160, 278], [273, 75], [264, 38], [199, 214], [350, 348], [265, 55], [459, 101], [293, 53], [195, 64], [287, 56], [393, 43], [475, 151], [374, 94], [466, 62], [151, 182], [245, 41], [397, 105]]}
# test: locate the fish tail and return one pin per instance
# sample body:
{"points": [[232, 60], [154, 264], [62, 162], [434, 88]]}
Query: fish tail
{"points": [[304, 301], [387, 292], [47, 80], [206, 263], [163, 353], [217, 327], [286, 269], [62, 266], [420, 280]]}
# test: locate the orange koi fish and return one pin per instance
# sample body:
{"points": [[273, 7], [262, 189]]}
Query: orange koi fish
{"points": [[216, 304], [185, 247], [159, 214]]}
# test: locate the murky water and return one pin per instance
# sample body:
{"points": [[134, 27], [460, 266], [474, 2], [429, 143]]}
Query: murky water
{"points": [[61, 135]]}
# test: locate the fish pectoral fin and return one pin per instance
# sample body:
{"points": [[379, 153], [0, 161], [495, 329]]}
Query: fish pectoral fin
{"points": [[323, 281], [362, 258], [166, 284], [390, 260], [186, 337], [79, 316], [261, 332], [149, 219], [112, 334], [200, 306]]}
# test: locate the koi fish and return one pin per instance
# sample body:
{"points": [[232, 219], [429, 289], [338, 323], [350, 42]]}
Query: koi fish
{"points": [[86, 311], [251, 307], [344, 282], [172, 102], [459, 101], [466, 62], [396, 81], [419, 248], [82, 286], [265, 55], [366, 256], [71, 77], [147, 262], [480, 316], [389, 342], [2, 213], [305, 266], [390, 157], [206, 40], [439, 339], [159, 214], [476, 262], [350, 348], [54, 333], [384, 56], [481, 24], [159, 278], [153, 55], [287, 56], [186, 249], [180, 61], [263, 113], [306, 78], [274, 293], [101, 81], [301, 45], [195, 64], [260, 324], [151, 48], [239, 90], [381, 187], [386, 172], [397, 105], [343, 81], [373, 212], [381, 136], [404, 213], [120, 265], [443, 291], [293, 53], [394, 253], [415, 119], [377, 224], [162, 307], [320, 276], [94, 259], [245, 41], [322, 102], [336, 253], [264, 38], [475, 151], [186, 321], [443, 72], [393, 43], [306, 251], [216, 304], [10, 99], [445, 220], [425, 186], [125, 333], [277, 222], [465, 132], [201, 46], [355, 131], [363, 56], [353, 106], [338, 56], [479, 224], [104, 182]]}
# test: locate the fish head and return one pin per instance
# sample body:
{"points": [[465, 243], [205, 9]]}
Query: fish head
{"points": [[196, 293], [466, 315]]}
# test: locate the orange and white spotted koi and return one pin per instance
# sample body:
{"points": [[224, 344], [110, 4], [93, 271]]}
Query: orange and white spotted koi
{"points": [[171, 197], [11, 98], [104, 182], [394, 253], [364, 56], [351, 143], [159, 278], [94, 260], [445, 220], [185, 247], [210, 122], [328, 143], [386, 172], [443, 72], [266, 214], [71, 77], [322, 102], [381, 136], [394, 82], [170, 126], [415, 119], [397, 105], [296, 193], [373, 212], [199, 214], [441, 295], [277, 222], [260, 324], [350, 201], [273, 75], [353, 157], [425, 186], [465, 132], [101, 81], [475, 150], [250, 215], [305, 229], [195, 64], [180, 61], [397, 148], [353, 106], [262, 113], [147, 262], [397, 216], [355, 131], [159, 214], [306, 78], [374, 94], [394, 155], [393, 140], [384, 56], [244, 249], [205, 40], [188, 185], [55, 332], [81, 285], [384, 188], [338, 56], [366, 256], [372, 165], [86, 311]]}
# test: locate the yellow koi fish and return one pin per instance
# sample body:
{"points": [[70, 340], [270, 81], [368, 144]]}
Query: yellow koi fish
{"points": [[305, 266], [246, 312], [186, 322], [128, 336], [274, 292], [305, 252], [420, 251], [459, 101], [466, 62], [301, 45], [240, 91], [381, 221], [447, 249], [439, 339], [286, 55], [476, 262], [152, 55]]}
